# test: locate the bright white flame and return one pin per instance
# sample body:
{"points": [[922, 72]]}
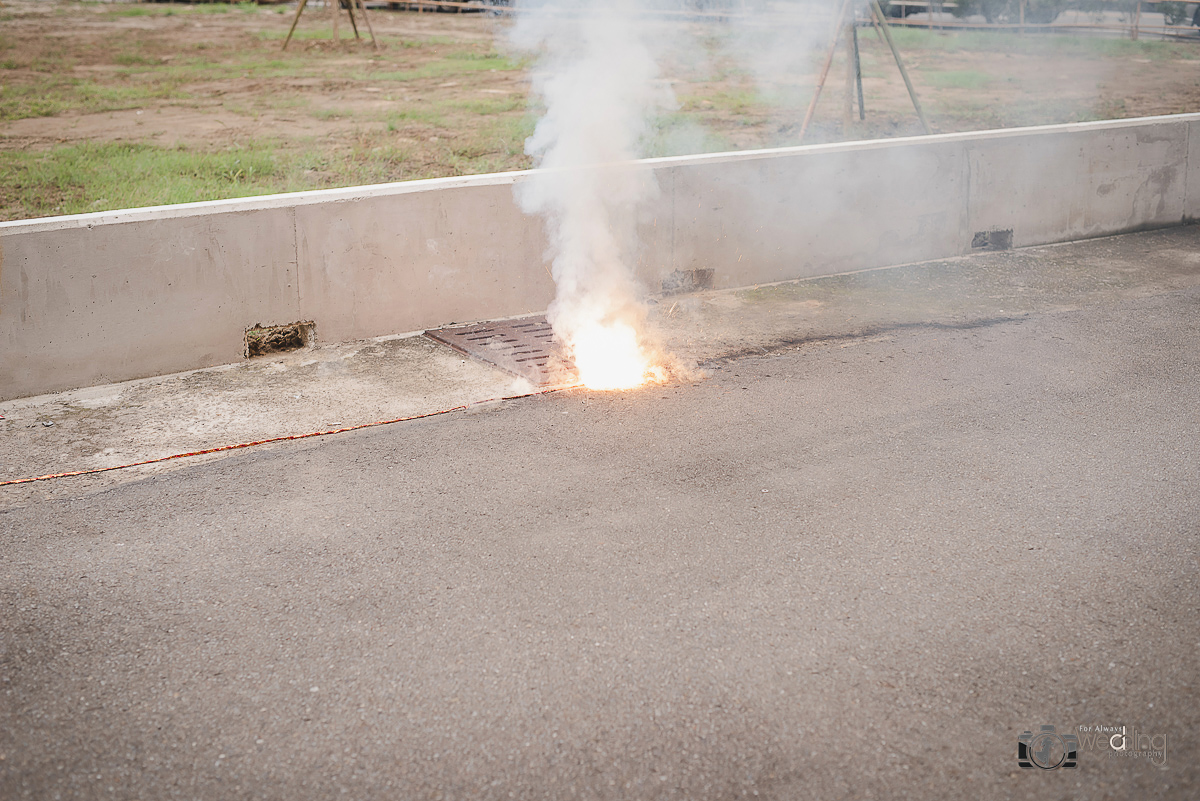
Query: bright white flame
{"points": [[599, 83], [609, 356]]}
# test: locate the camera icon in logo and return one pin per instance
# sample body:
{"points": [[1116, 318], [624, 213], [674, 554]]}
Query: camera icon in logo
{"points": [[1047, 749]]}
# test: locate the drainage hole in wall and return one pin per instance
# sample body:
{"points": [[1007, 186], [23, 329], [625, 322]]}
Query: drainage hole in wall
{"points": [[264, 339], [681, 281], [993, 240]]}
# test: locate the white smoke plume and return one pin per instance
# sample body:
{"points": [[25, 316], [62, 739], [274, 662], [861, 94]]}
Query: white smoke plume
{"points": [[597, 78]]}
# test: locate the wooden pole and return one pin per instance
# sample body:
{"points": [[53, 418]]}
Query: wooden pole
{"points": [[912, 93], [1137, 20], [291, 30], [848, 105], [362, 6], [878, 31], [333, 6], [812, 106], [862, 109], [350, 10]]}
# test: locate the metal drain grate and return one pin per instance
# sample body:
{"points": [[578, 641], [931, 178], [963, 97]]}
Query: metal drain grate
{"points": [[525, 347]]}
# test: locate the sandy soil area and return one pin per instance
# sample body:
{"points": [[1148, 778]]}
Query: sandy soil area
{"points": [[442, 95]]}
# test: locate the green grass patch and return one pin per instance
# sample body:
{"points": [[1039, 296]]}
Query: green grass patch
{"points": [[56, 64], [738, 101], [43, 99], [331, 114], [915, 39], [496, 146], [474, 55], [680, 133], [493, 147], [399, 118], [287, 102], [443, 68], [75, 179], [149, 10], [957, 79], [512, 132], [368, 161], [980, 114], [128, 59], [55, 95], [196, 69], [486, 105], [91, 177], [95, 97], [134, 11], [305, 34]]}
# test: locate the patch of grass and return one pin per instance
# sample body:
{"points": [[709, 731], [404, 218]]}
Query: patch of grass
{"points": [[981, 114], [43, 98], [203, 68], [55, 63], [978, 112], [680, 133], [128, 59], [133, 11], [73, 179], [487, 105], [91, 177], [367, 161], [957, 79], [287, 102], [56, 95], [493, 147], [95, 97], [144, 10], [444, 68], [474, 55], [1046, 111], [738, 100], [302, 34], [400, 117], [428, 41], [513, 131], [331, 114], [500, 143], [913, 39], [215, 8]]}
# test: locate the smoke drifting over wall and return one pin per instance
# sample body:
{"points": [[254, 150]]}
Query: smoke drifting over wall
{"points": [[598, 82], [596, 78]]}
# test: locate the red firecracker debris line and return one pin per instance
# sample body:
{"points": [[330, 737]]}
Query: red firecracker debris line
{"points": [[221, 448]]}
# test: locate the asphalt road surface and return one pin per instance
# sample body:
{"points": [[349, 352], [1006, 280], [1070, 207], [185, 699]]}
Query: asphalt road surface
{"points": [[851, 569]]}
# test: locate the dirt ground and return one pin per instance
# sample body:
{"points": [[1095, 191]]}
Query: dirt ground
{"points": [[98, 99]]}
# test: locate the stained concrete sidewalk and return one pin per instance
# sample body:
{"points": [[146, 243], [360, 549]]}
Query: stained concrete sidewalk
{"points": [[348, 384]]}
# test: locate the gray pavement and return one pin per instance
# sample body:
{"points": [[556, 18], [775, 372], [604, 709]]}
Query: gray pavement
{"points": [[858, 564]]}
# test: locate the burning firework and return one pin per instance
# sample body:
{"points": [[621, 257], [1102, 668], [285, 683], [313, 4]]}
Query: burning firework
{"points": [[597, 81], [610, 357]]}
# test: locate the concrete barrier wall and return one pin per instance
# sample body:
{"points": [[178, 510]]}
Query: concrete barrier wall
{"points": [[104, 297]]}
